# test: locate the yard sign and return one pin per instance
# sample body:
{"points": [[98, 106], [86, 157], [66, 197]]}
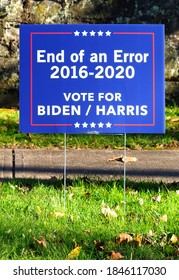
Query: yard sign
{"points": [[88, 78]]}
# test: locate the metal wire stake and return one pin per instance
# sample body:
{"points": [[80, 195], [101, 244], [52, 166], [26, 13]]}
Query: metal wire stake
{"points": [[65, 170], [124, 184]]}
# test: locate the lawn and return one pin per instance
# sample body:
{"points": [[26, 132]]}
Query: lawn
{"points": [[39, 222], [10, 137], [87, 220]]}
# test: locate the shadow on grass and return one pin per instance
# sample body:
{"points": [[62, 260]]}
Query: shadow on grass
{"points": [[88, 182]]}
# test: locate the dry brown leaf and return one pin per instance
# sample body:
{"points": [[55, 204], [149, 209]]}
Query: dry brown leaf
{"points": [[121, 158], [71, 195], [150, 233], [157, 198], [116, 158], [141, 201], [173, 119], [176, 252], [124, 237], [107, 212], [148, 240], [115, 256], [22, 189], [99, 245], [88, 231], [58, 214], [138, 240], [164, 240], [74, 253], [123, 202], [29, 135], [164, 218], [41, 241], [3, 128], [87, 194], [174, 239], [70, 188], [129, 159]]}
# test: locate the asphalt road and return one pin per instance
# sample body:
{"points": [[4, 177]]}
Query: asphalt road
{"points": [[150, 165]]}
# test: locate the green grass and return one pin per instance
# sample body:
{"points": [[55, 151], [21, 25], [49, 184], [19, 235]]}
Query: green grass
{"points": [[10, 137], [30, 210]]}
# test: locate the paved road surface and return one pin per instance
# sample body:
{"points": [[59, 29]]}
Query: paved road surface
{"points": [[43, 164]]}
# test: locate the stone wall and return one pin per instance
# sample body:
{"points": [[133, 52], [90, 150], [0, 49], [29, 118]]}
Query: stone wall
{"points": [[15, 12]]}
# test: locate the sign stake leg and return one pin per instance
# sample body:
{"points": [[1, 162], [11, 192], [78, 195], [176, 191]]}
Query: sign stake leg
{"points": [[124, 176], [64, 171]]}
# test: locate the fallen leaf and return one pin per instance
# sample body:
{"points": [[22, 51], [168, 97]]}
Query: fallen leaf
{"points": [[117, 207], [174, 119], [3, 128], [138, 240], [107, 212], [129, 159], [156, 198], [71, 195], [123, 202], [124, 237], [164, 240], [174, 239], [121, 158], [147, 240], [99, 245], [88, 231], [74, 253], [41, 241], [58, 214], [115, 256], [177, 192], [22, 189], [70, 188], [176, 252], [164, 218], [150, 233], [87, 194], [116, 158], [132, 192], [141, 201]]}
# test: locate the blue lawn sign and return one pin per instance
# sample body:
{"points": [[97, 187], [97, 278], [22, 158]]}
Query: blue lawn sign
{"points": [[87, 78]]}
